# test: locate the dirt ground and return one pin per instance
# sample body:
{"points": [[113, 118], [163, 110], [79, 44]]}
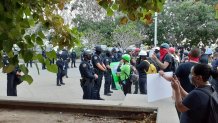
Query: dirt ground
{"points": [[29, 116]]}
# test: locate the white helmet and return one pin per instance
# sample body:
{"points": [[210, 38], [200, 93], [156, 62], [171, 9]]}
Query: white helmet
{"points": [[143, 53]]}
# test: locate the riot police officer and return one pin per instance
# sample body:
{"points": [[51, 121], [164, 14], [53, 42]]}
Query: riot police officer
{"points": [[107, 74], [60, 74], [13, 79], [73, 58], [97, 62], [65, 57], [88, 76]]}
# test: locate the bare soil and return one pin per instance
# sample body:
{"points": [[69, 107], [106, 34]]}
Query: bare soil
{"points": [[40, 116]]}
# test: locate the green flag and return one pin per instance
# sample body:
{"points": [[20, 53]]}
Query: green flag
{"points": [[114, 66]]}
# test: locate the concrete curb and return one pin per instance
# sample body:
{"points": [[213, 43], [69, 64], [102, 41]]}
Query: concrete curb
{"points": [[132, 103]]}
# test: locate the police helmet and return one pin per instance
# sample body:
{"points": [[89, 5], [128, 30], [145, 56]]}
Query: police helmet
{"points": [[87, 53], [98, 49]]}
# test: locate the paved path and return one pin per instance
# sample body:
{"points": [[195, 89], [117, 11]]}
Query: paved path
{"points": [[44, 86]]}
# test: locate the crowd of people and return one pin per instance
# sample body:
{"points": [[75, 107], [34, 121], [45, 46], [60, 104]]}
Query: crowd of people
{"points": [[194, 80], [193, 69]]}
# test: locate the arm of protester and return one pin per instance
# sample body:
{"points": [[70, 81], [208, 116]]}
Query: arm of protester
{"points": [[160, 64], [182, 91], [168, 78], [178, 98]]}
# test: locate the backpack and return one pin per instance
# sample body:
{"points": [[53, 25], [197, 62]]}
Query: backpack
{"points": [[213, 105], [152, 69]]}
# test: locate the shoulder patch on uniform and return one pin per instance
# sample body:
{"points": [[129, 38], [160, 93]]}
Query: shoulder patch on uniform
{"points": [[107, 60], [95, 57], [84, 65]]}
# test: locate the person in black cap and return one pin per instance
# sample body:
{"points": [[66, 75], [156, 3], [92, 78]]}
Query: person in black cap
{"points": [[88, 76], [166, 60], [100, 68]]}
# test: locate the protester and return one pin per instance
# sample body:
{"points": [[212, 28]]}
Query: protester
{"points": [[165, 61], [184, 69], [194, 105], [125, 70], [204, 57], [142, 67]]}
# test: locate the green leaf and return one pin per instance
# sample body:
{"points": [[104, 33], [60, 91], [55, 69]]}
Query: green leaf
{"points": [[40, 58], [51, 54], [39, 41], [47, 62], [103, 3], [7, 47], [41, 34], [52, 68], [24, 69], [27, 55], [110, 12], [8, 68], [27, 78], [1, 8], [31, 22], [115, 7], [10, 54], [27, 11], [33, 37]]}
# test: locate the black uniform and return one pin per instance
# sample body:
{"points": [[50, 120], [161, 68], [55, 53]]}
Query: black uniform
{"points": [[107, 76], [44, 56], [60, 74], [73, 58], [65, 56], [12, 81], [87, 81], [97, 59]]}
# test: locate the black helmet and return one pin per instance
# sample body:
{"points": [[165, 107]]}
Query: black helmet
{"points": [[98, 49], [87, 53]]}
